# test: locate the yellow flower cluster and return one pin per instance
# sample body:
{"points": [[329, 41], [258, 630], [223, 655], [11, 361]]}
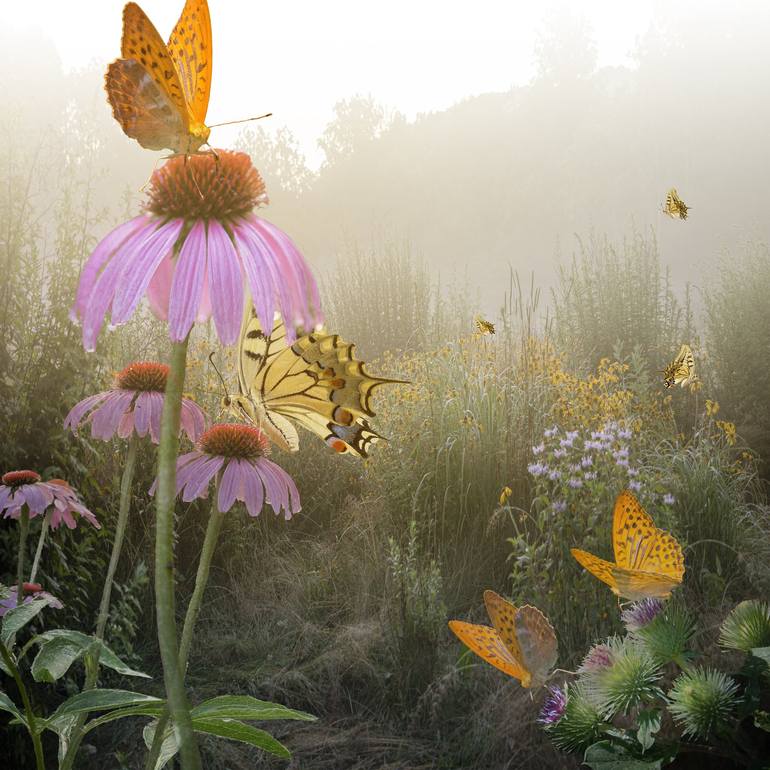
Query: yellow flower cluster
{"points": [[728, 428]]}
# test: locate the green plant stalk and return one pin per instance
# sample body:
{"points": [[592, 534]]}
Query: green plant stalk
{"points": [[92, 660], [164, 560], [39, 549], [30, 714], [193, 609], [23, 532]]}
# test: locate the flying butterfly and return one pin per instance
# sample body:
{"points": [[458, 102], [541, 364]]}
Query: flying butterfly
{"points": [[674, 206], [648, 561], [317, 382], [681, 371], [522, 643], [483, 327]]}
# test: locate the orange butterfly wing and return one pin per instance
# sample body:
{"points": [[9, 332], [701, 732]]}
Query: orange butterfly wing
{"points": [[487, 644], [503, 616], [537, 641], [599, 568], [190, 48]]}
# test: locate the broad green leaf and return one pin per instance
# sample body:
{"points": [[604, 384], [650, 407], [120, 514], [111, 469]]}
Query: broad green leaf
{"points": [[234, 730], [107, 657], [605, 755], [101, 700], [246, 707], [649, 724], [168, 748], [6, 704], [14, 620], [148, 710], [54, 659]]}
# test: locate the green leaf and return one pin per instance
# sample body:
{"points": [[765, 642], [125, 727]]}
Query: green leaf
{"points": [[649, 724], [14, 620], [234, 730], [762, 720], [54, 659], [6, 704], [101, 700], [107, 657], [148, 710], [605, 755], [246, 707], [168, 748]]}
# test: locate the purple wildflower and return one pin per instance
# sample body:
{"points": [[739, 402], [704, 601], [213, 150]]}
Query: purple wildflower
{"points": [[641, 613], [554, 475], [633, 471], [593, 445], [239, 452], [135, 403], [558, 453], [20, 488], [193, 251], [31, 591], [586, 461], [589, 475], [551, 432], [559, 506], [636, 486], [599, 657], [622, 452], [669, 499], [537, 469], [554, 706], [625, 433], [621, 462], [536, 450], [575, 483]]}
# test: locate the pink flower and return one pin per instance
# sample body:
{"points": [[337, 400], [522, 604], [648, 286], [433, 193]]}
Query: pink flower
{"points": [[135, 403], [8, 601], [20, 488], [239, 452], [192, 253]]}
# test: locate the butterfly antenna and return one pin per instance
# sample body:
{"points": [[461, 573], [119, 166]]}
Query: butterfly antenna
{"points": [[245, 120], [216, 369]]}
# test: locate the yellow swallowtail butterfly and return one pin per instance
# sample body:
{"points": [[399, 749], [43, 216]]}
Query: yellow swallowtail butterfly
{"points": [[648, 561], [674, 206], [681, 371], [483, 326], [522, 643], [315, 382]]}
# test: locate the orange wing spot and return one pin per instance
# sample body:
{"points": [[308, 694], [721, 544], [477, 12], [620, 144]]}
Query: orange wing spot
{"points": [[337, 444], [338, 383], [343, 416]]}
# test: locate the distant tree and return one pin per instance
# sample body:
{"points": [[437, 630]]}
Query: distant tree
{"points": [[356, 122], [565, 49]]}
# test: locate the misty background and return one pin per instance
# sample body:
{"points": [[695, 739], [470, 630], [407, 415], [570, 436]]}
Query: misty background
{"points": [[498, 179]]}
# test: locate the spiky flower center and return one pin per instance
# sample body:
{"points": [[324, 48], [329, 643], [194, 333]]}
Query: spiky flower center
{"points": [[234, 440], [218, 186], [143, 375], [641, 614], [17, 478]]}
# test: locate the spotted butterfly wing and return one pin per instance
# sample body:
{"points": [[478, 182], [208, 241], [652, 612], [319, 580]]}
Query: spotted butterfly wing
{"points": [[315, 382], [681, 371], [483, 327], [160, 95], [674, 206]]}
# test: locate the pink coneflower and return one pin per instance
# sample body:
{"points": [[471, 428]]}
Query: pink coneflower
{"points": [[20, 488], [31, 591], [193, 251], [135, 403], [239, 452]]}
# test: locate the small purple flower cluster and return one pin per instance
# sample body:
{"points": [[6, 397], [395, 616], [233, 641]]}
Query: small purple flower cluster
{"points": [[554, 706]]}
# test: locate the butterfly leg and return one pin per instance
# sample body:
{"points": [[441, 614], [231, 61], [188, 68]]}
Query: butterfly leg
{"points": [[152, 173]]}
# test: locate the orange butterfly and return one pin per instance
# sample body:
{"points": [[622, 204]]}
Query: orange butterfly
{"points": [[159, 91], [522, 643], [648, 561]]}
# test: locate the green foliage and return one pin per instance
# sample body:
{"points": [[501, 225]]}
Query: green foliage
{"points": [[667, 637], [702, 701], [581, 723]]}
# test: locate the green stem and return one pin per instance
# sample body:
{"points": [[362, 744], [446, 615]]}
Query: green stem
{"points": [[23, 531], [92, 660], [193, 608], [30, 714], [39, 549], [164, 560]]}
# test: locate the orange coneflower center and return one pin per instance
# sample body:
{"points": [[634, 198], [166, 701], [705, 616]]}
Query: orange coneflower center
{"points": [[143, 375], [234, 440], [17, 478], [206, 186]]}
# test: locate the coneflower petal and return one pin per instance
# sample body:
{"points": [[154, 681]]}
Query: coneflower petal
{"points": [[225, 283], [187, 286]]}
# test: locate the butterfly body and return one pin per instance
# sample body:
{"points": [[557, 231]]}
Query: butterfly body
{"points": [[681, 371], [315, 382], [159, 92], [521, 643], [648, 561], [674, 206]]}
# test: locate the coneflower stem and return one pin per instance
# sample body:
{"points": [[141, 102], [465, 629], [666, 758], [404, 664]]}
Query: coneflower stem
{"points": [[191, 616], [10, 664], [23, 531], [39, 549], [165, 606], [92, 660]]}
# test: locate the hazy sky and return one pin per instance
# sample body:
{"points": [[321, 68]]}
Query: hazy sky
{"points": [[296, 58]]}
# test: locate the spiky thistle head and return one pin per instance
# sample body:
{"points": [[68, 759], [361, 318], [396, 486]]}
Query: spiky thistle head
{"points": [[747, 626], [702, 701], [631, 679], [667, 632], [579, 724]]}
